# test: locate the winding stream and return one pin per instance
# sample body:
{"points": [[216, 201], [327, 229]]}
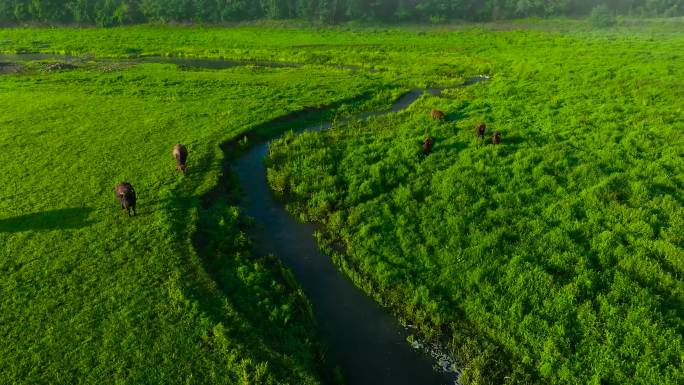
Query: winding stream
{"points": [[367, 342]]}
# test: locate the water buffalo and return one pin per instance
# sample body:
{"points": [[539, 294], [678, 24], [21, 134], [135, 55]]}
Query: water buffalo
{"points": [[437, 114], [180, 154], [126, 196], [496, 137], [427, 145], [480, 130]]}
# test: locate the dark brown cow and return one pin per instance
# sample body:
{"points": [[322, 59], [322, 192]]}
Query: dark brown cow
{"points": [[180, 154], [126, 196], [437, 114], [496, 137], [427, 145], [480, 130]]}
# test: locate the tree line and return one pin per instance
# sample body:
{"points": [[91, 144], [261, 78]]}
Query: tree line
{"points": [[118, 12]]}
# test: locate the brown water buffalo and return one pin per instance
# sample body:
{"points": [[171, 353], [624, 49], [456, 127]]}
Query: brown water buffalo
{"points": [[437, 114], [496, 137], [427, 145], [180, 154], [126, 196], [480, 130]]}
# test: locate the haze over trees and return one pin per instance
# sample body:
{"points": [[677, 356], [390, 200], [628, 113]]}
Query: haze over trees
{"points": [[117, 12]]}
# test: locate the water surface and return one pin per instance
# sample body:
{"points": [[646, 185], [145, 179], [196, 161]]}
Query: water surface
{"points": [[366, 342]]}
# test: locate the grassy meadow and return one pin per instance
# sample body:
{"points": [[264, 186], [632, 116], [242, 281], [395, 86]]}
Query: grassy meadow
{"points": [[90, 295], [556, 257]]}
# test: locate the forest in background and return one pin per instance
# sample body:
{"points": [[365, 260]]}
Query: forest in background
{"points": [[119, 12]]}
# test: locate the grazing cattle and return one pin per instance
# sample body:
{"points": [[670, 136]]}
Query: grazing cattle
{"points": [[496, 137], [437, 114], [180, 154], [427, 145], [481, 129], [126, 196]]}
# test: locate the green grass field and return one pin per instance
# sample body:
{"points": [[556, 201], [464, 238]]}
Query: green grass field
{"points": [[556, 257], [90, 295]]}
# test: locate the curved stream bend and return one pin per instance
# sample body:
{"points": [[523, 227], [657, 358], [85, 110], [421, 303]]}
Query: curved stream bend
{"points": [[368, 343]]}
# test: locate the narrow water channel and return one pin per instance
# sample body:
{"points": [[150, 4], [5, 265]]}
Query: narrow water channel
{"points": [[185, 62], [366, 342]]}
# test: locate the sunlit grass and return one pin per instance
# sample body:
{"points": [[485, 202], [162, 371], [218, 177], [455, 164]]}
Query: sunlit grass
{"points": [[553, 258], [92, 295]]}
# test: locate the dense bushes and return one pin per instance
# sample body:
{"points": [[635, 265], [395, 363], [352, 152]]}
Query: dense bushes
{"points": [[601, 17], [115, 12]]}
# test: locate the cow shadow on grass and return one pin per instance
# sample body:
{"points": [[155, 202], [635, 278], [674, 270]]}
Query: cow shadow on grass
{"points": [[453, 147], [457, 115], [60, 219]]}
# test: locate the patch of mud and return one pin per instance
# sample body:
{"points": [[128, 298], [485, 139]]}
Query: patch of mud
{"points": [[56, 67], [10, 68], [113, 67]]}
